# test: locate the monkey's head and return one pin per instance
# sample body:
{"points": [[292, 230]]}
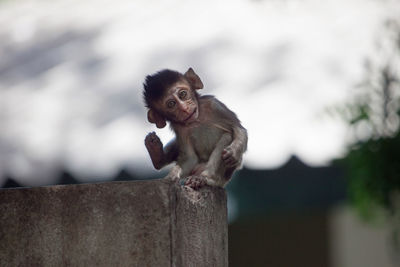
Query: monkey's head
{"points": [[172, 96]]}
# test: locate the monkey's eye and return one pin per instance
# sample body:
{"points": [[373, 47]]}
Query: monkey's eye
{"points": [[183, 94], [171, 104]]}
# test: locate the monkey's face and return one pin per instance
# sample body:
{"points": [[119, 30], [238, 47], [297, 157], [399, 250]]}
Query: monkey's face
{"points": [[180, 103]]}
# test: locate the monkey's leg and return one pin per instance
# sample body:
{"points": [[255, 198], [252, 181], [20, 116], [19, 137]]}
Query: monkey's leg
{"points": [[213, 176], [159, 156], [187, 160], [210, 174]]}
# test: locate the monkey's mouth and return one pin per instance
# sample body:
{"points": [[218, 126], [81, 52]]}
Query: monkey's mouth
{"points": [[191, 115]]}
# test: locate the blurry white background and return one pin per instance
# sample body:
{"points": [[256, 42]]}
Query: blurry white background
{"points": [[71, 76]]}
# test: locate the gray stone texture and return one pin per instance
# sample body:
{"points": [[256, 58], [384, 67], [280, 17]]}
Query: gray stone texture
{"points": [[140, 223]]}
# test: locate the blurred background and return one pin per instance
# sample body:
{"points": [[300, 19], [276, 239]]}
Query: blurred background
{"points": [[316, 83]]}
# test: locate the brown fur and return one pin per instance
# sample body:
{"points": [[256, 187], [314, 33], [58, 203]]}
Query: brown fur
{"points": [[210, 139]]}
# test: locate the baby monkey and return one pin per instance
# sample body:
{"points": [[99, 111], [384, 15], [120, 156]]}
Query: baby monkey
{"points": [[209, 138]]}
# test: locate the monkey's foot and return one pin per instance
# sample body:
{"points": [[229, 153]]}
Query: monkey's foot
{"points": [[172, 178], [195, 181]]}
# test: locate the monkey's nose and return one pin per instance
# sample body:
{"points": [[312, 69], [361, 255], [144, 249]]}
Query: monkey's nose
{"points": [[184, 108]]}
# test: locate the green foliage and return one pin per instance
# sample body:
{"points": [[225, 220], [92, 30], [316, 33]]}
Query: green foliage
{"points": [[373, 160], [373, 174]]}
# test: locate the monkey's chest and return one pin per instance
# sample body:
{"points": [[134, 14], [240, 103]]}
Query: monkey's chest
{"points": [[204, 139]]}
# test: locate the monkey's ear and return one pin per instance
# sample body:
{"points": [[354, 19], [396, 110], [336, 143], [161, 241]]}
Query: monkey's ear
{"points": [[156, 118], [193, 78]]}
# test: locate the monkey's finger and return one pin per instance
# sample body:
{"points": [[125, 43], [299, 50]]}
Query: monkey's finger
{"points": [[235, 164], [227, 157], [226, 154], [231, 162], [227, 150], [153, 138], [188, 180], [149, 136], [191, 181], [194, 182], [150, 139], [191, 185]]}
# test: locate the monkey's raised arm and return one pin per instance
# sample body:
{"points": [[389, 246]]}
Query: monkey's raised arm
{"points": [[161, 156]]}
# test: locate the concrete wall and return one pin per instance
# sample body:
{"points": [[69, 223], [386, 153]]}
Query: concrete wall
{"points": [[140, 223]]}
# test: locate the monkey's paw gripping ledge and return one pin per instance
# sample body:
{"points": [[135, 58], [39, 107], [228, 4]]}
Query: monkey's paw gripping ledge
{"points": [[140, 223]]}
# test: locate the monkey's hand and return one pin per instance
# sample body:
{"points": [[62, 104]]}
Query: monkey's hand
{"points": [[155, 148], [196, 181], [231, 156]]}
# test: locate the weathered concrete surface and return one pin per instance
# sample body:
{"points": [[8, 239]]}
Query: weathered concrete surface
{"points": [[200, 228], [141, 223]]}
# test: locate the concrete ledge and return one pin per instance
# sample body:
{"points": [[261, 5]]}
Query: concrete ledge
{"points": [[140, 223]]}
